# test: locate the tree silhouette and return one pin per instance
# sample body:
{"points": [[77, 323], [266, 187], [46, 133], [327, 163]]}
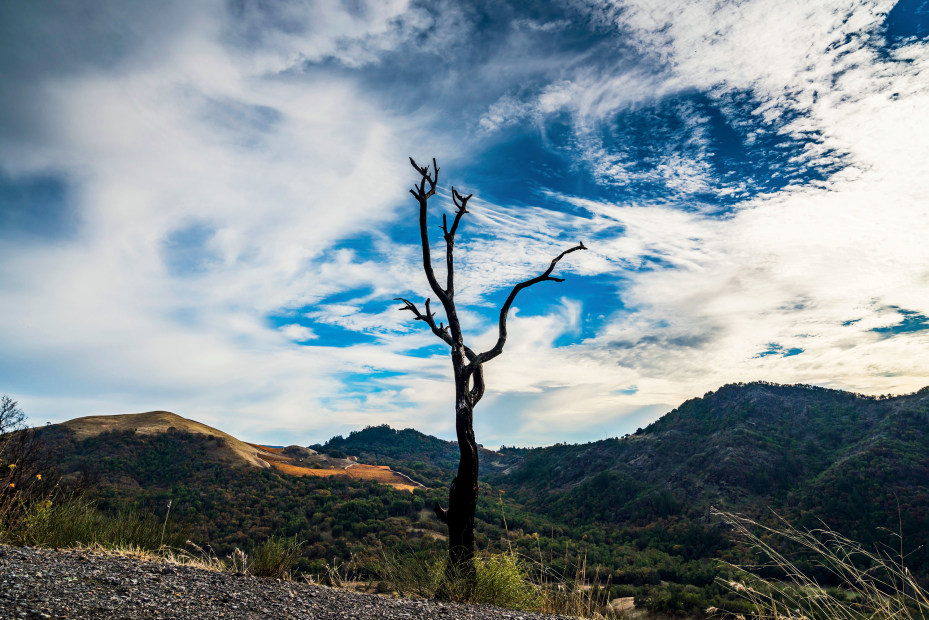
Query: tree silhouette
{"points": [[468, 368]]}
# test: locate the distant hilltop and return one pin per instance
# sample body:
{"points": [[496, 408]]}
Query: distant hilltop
{"points": [[293, 460]]}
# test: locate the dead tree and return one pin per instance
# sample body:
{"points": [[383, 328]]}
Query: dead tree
{"points": [[468, 368]]}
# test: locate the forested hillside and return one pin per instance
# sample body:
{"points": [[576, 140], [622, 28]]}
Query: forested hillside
{"points": [[857, 463], [426, 458], [846, 458], [637, 508]]}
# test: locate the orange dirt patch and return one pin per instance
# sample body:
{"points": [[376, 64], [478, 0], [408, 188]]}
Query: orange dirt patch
{"points": [[266, 448], [270, 457], [296, 470], [404, 487], [378, 473], [382, 474]]}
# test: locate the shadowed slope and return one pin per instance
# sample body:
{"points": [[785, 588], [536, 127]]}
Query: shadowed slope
{"points": [[159, 422]]}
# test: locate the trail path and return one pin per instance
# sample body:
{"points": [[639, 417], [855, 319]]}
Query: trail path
{"points": [[45, 583]]}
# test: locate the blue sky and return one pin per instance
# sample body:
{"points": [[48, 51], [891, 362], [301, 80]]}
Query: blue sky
{"points": [[204, 207]]}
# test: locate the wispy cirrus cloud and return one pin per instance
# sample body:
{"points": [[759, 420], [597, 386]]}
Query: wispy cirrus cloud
{"points": [[204, 207]]}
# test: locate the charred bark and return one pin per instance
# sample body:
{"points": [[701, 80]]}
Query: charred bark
{"points": [[467, 366]]}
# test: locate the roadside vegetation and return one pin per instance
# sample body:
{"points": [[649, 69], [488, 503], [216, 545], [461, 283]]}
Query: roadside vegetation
{"points": [[41, 508], [504, 579], [866, 583], [151, 495]]}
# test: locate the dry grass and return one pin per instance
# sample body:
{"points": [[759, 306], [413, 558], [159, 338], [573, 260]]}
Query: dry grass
{"points": [[873, 584], [377, 473], [382, 474], [168, 555], [296, 470]]}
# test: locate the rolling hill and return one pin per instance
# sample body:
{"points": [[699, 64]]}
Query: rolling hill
{"points": [[844, 458], [226, 449]]}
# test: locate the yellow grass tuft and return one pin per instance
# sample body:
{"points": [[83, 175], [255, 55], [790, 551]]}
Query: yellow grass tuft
{"points": [[874, 584]]}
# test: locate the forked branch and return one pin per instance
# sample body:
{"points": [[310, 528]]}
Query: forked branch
{"points": [[422, 196], [504, 311], [419, 192], [439, 330], [462, 203]]}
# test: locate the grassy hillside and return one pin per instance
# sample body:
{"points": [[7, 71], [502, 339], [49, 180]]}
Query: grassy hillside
{"points": [[228, 449]]}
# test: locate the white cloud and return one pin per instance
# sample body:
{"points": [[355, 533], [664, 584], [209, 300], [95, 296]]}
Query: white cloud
{"points": [[210, 124], [298, 333], [277, 171], [293, 33]]}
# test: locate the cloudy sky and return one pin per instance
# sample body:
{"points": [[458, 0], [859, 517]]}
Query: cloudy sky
{"points": [[204, 207]]}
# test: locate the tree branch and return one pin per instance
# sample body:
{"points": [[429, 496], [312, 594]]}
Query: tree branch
{"points": [[445, 296], [547, 275], [419, 192], [440, 512], [422, 196], [439, 330], [462, 203]]}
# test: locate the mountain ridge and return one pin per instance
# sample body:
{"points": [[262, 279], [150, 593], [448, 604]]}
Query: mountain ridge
{"points": [[159, 421], [740, 447], [637, 505]]}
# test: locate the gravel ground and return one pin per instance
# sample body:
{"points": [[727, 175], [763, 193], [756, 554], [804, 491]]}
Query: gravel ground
{"points": [[46, 583]]}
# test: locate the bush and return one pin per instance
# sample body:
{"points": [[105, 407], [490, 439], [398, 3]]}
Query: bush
{"points": [[70, 521], [503, 579], [276, 557], [74, 521]]}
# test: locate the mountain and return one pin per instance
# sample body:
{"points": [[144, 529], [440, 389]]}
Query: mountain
{"points": [[220, 447], [421, 456], [636, 508], [746, 447], [741, 447], [859, 464]]}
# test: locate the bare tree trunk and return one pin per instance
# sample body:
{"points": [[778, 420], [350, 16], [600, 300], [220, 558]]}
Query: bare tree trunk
{"points": [[469, 372], [462, 497], [463, 491]]}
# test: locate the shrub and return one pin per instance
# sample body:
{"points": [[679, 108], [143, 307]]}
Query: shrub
{"points": [[503, 579], [71, 520], [276, 557]]}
